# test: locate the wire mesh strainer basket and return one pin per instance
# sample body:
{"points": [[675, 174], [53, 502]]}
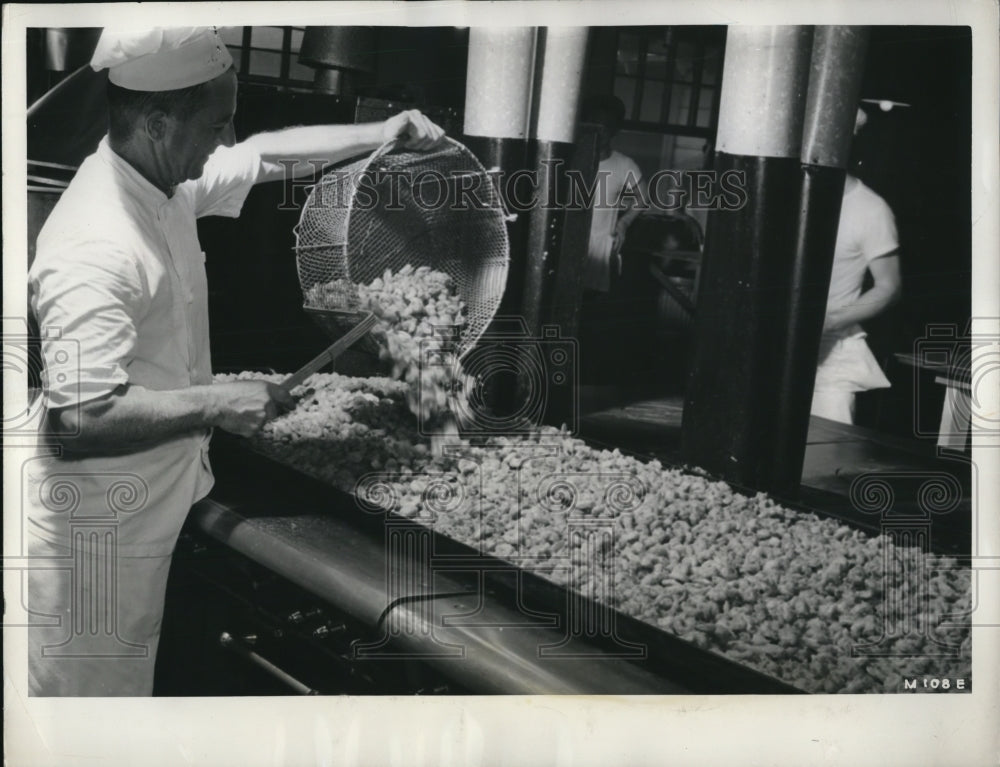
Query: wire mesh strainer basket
{"points": [[437, 208]]}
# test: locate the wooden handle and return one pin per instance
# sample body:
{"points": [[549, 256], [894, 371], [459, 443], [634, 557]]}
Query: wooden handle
{"points": [[329, 354]]}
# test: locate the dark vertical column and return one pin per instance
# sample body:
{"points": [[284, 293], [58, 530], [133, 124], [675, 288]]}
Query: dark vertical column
{"points": [[560, 56], [498, 93], [746, 279], [831, 105], [568, 292], [505, 158], [560, 59], [544, 229]]}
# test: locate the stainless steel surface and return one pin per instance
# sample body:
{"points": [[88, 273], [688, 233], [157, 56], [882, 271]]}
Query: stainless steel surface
{"points": [[764, 84], [499, 656], [345, 48], [229, 642], [322, 555], [837, 66], [478, 642]]}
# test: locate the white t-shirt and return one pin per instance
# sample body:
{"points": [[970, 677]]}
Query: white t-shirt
{"points": [[614, 175], [119, 291], [867, 231]]}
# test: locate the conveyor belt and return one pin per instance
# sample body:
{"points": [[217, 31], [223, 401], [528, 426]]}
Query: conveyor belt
{"points": [[477, 620], [329, 558]]}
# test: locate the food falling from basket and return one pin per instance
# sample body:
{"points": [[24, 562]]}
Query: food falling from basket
{"points": [[420, 240], [420, 316]]}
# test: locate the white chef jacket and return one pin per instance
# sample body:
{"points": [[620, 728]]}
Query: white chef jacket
{"points": [[616, 173], [118, 288]]}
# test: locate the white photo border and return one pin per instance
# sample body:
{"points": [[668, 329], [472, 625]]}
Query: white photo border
{"points": [[592, 730]]}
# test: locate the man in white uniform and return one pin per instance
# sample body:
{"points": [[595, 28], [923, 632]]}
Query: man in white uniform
{"points": [[866, 241], [618, 200], [120, 274]]}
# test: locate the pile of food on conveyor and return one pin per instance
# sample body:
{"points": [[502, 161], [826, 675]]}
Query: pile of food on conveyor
{"points": [[786, 592], [417, 310]]}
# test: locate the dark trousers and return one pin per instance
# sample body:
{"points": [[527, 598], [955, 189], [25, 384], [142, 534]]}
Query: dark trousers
{"points": [[616, 329]]}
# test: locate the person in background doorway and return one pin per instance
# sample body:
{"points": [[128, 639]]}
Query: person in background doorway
{"points": [[618, 200], [867, 241]]}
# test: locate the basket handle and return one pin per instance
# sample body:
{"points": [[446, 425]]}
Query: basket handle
{"points": [[394, 143], [385, 149]]}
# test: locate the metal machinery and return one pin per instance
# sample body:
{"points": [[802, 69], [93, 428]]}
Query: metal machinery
{"points": [[282, 585]]}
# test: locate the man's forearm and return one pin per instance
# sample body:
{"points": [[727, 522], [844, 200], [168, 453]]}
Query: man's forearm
{"points": [[886, 290], [869, 304], [295, 151], [132, 417]]}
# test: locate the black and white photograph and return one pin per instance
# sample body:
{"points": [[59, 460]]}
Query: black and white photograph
{"points": [[500, 383]]}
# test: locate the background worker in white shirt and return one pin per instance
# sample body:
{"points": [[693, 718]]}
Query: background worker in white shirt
{"points": [[120, 276], [619, 196], [867, 241], [618, 201]]}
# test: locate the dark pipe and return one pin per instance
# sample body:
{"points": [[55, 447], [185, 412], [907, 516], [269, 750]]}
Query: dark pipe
{"points": [[816, 233], [568, 292], [505, 157], [507, 160], [831, 103], [733, 396], [731, 399], [545, 223]]}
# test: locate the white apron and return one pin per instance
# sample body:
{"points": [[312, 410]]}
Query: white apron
{"points": [[120, 274], [846, 366]]}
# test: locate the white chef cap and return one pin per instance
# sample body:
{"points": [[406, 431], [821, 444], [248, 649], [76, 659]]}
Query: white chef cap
{"points": [[161, 59]]}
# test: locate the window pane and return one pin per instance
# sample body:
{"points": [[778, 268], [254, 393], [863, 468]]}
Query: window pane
{"points": [[713, 65], [706, 97], [689, 142], [296, 40], [625, 90], [231, 35], [265, 63], [628, 54], [652, 102], [656, 58], [297, 71], [684, 63], [680, 104], [237, 54], [267, 37]]}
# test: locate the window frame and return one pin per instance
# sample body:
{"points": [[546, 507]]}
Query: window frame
{"points": [[284, 81], [701, 39]]}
